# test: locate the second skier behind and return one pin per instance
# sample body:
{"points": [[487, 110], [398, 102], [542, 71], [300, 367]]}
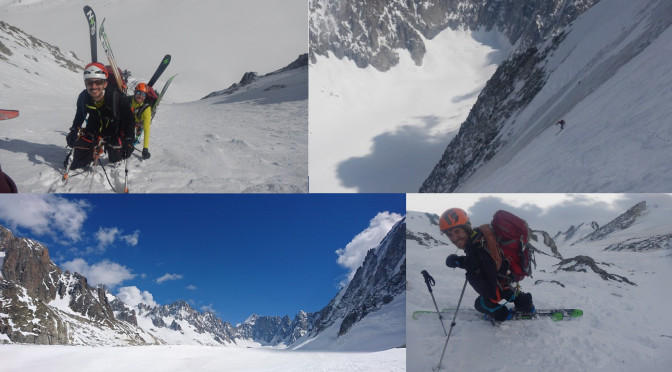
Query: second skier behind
{"points": [[143, 116]]}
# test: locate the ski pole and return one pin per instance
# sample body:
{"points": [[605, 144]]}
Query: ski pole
{"points": [[97, 151], [71, 158], [126, 177], [430, 282], [452, 324]]}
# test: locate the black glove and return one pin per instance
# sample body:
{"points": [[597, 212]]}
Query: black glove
{"points": [[127, 148], [145, 154], [454, 261], [71, 138]]}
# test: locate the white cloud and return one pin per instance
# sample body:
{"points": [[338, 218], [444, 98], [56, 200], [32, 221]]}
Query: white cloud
{"points": [[352, 256], [45, 214], [191, 287], [107, 236], [132, 239], [209, 308], [167, 276], [132, 296], [105, 272]]}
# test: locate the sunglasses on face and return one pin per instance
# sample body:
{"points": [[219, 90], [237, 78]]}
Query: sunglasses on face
{"points": [[139, 93], [90, 82]]}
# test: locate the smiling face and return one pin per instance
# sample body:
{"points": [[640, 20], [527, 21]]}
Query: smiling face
{"points": [[458, 236], [139, 96], [96, 88]]}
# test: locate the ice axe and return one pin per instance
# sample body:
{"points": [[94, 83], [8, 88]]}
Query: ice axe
{"points": [[430, 283]]}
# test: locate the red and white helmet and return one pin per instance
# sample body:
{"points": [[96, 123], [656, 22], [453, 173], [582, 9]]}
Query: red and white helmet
{"points": [[95, 70]]}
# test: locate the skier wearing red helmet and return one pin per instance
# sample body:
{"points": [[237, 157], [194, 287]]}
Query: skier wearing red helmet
{"points": [[108, 117]]}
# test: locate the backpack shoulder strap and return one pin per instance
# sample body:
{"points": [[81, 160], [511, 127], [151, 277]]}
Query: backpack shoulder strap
{"points": [[115, 103]]}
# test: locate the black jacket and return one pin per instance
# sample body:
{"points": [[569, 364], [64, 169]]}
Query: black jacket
{"points": [[113, 119], [481, 269]]}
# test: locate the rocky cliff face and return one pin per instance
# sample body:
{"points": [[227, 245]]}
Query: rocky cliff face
{"points": [[514, 84], [381, 277], [273, 330], [372, 32], [41, 304], [180, 315]]}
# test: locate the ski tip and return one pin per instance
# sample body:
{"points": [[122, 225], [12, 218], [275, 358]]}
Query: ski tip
{"points": [[126, 190]]}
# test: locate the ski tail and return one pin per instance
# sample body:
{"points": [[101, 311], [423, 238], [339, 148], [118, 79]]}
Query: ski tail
{"points": [[91, 18], [159, 70]]}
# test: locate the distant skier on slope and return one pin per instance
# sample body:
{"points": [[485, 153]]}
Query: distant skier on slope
{"points": [[481, 269], [108, 117], [142, 111], [561, 123]]}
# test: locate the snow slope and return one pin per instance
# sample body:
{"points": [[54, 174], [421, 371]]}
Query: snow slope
{"points": [[379, 330], [372, 131], [625, 327], [254, 140], [609, 80], [192, 358]]}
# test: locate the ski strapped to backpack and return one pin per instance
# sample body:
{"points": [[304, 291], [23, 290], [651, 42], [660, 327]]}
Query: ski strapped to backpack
{"points": [[110, 56], [159, 70], [93, 40], [507, 242]]}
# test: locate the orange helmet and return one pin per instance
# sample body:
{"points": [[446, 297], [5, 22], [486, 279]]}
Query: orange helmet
{"points": [[453, 217], [141, 87]]}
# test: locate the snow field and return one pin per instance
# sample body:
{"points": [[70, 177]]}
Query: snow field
{"points": [[192, 358]]}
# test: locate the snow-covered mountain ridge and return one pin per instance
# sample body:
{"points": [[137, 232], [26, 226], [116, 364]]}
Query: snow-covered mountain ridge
{"points": [[40, 304]]}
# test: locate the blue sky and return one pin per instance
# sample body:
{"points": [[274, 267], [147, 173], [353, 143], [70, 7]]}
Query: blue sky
{"points": [[231, 254]]}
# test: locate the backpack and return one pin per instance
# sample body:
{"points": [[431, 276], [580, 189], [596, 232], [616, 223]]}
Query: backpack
{"points": [[512, 235], [507, 243], [112, 80], [151, 98]]}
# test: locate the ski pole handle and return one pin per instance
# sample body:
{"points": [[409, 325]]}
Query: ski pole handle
{"points": [[428, 280]]}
